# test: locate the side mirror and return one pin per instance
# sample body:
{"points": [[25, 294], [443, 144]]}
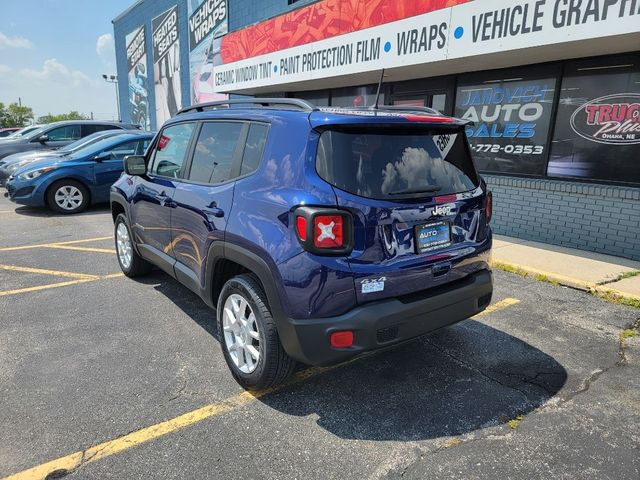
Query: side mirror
{"points": [[102, 156], [134, 165], [43, 138]]}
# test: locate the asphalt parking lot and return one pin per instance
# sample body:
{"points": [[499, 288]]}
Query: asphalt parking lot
{"points": [[105, 377]]}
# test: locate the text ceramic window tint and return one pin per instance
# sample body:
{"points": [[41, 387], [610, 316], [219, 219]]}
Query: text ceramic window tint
{"points": [[214, 153], [254, 148], [171, 149]]}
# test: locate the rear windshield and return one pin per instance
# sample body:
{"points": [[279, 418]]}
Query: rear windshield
{"points": [[396, 164]]}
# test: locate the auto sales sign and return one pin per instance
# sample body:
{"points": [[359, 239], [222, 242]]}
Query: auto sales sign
{"points": [[612, 119]]}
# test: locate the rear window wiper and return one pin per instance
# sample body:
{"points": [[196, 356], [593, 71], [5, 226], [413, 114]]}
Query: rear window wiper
{"points": [[430, 189]]}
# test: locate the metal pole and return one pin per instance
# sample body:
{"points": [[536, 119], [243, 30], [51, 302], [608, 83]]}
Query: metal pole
{"points": [[118, 100]]}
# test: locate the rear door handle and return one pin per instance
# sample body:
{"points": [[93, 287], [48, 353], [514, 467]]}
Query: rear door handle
{"points": [[212, 209], [164, 200], [216, 212]]}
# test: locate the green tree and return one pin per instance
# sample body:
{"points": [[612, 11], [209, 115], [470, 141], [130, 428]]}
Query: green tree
{"points": [[15, 115], [72, 115]]}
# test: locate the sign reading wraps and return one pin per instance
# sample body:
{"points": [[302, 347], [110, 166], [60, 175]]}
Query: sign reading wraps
{"points": [[263, 54], [208, 21], [137, 78], [510, 124], [166, 65]]}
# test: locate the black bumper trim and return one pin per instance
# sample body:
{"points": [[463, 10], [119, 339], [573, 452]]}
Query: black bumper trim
{"points": [[308, 340]]}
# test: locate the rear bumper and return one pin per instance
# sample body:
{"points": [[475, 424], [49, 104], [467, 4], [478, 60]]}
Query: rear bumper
{"points": [[379, 324]]}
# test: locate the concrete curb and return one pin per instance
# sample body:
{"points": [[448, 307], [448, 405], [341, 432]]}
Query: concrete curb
{"points": [[541, 275]]}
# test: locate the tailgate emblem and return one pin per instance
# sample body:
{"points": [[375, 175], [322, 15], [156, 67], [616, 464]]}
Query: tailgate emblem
{"points": [[443, 209]]}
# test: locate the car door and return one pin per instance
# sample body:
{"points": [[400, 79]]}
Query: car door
{"points": [[152, 201], [203, 201], [108, 170]]}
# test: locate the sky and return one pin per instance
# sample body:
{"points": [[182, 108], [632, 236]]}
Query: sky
{"points": [[53, 54]]}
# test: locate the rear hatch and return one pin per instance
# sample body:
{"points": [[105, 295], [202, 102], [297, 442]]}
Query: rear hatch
{"points": [[417, 202]]}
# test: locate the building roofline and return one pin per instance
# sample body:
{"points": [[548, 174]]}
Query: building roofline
{"points": [[138, 2]]}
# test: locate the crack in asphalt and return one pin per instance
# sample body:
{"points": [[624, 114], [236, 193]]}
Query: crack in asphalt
{"points": [[480, 372]]}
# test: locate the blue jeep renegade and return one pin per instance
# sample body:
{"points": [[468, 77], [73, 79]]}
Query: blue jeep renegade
{"points": [[315, 233]]}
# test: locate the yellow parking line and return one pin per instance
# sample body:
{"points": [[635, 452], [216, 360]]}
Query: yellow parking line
{"points": [[75, 460], [82, 249], [42, 271], [37, 288], [55, 244], [501, 305], [46, 287]]}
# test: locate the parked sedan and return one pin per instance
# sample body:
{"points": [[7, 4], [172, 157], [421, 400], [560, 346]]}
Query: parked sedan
{"points": [[71, 183], [5, 132], [56, 135], [10, 164]]}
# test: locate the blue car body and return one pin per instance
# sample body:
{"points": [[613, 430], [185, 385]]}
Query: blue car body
{"points": [[96, 174], [378, 287]]}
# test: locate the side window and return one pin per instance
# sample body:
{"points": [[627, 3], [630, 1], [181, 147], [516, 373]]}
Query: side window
{"points": [[89, 129], [171, 149], [254, 147], [67, 133], [124, 149], [214, 153]]}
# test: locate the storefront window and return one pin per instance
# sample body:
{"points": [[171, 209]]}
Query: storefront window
{"points": [[597, 131], [511, 119], [319, 98], [356, 96]]}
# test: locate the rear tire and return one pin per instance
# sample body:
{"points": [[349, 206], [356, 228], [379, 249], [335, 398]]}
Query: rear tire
{"points": [[68, 196], [131, 264], [249, 337]]}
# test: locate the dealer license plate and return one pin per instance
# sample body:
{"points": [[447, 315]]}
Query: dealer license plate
{"points": [[433, 236]]}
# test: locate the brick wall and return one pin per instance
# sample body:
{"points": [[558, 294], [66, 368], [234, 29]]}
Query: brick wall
{"points": [[599, 218]]}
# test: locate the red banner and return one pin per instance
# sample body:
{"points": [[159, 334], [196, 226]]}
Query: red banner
{"points": [[321, 20]]}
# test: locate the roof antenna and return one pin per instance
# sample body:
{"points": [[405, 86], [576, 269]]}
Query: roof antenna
{"points": [[375, 106]]}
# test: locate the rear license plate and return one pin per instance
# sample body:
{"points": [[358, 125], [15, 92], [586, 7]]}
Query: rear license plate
{"points": [[433, 236]]}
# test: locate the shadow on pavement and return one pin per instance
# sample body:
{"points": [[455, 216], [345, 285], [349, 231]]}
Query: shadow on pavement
{"points": [[451, 382], [44, 212]]}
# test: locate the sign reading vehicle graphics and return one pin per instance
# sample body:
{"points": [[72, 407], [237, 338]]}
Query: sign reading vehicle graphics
{"points": [[466, 29], [166, 65], [137, 78], [208, 20]]}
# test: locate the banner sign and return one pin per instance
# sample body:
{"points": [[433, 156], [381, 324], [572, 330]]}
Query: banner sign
{"points": [[208, 20], [166, 65], [137, 78], [328, 39], [510, 124]]}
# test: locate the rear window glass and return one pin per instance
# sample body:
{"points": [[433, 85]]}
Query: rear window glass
{"points": [[393, 165]]}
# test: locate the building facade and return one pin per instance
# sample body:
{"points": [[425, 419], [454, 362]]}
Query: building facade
{"points": [[552, 87]]}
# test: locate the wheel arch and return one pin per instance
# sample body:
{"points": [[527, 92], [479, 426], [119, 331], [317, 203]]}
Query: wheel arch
{"points": [[224, 258]]}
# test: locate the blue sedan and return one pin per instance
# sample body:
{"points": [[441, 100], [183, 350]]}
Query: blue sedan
{"points": [[70, 184]]}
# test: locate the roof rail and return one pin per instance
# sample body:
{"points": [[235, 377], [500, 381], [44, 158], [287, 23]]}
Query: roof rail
{"points": [[264, 102]]}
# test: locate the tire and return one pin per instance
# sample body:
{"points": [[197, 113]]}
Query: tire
{"points": [[273, 365], [68, 196], [131, 264]]}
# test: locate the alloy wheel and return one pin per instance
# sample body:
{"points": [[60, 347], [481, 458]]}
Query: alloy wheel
{"points": [[241, 335], [68, 197], [123, 245]]}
